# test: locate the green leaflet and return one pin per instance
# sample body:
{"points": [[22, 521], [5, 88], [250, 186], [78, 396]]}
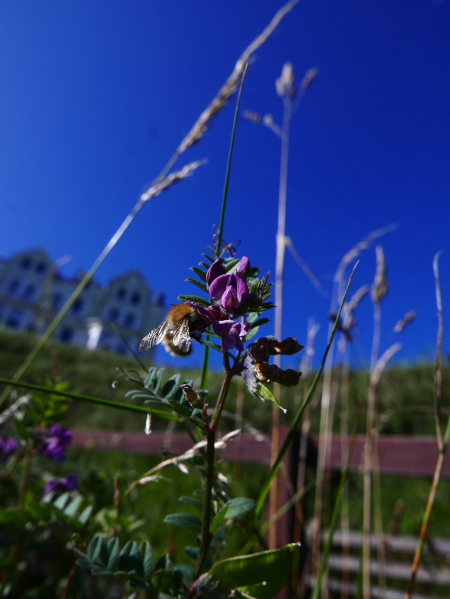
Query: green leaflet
{"points": [[263, 393], [73, 506], [186, 521], [198, 284], [112, 553], [239, 506], [193, 502], [94, 548], [129, 557], [194, 298], [171, 386], [201, 274], [146, 559]]}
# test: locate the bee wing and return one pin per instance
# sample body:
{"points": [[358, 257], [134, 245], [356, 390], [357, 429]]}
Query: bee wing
{"points": [[154, 337], [182, 337]]}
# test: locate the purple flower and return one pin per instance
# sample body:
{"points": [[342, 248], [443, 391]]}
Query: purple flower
{"points": [[229, 291], [231, 332], [243, 267], [215, 270], [55, 443], [58, 486], [7, 447]]}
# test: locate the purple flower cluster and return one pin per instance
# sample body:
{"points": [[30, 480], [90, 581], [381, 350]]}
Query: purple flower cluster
{"points": [[7, 447], [230, 292], [58, 486], [55, 443]]}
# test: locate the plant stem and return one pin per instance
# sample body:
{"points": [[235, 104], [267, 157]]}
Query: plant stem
{"points": [[206, 535], [227, 175], [368, 452]]}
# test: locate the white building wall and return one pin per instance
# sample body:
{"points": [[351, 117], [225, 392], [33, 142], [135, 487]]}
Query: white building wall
{"points": [[31, 293]]}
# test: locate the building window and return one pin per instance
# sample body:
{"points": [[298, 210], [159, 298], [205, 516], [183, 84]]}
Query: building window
{"points": [[77, 306], [113, 315], [25, 263], [15, 319], [66, 335], [13, 286], [57, 301], [41, 267], [135, 298], [129, 320], [121, 294], [29, 292]]}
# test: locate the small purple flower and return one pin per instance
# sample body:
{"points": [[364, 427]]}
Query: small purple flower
{"points": [[243, 267], [231, 332], [55, 443], [7, 447], [58, 486], [215, 270], [229, 291]]}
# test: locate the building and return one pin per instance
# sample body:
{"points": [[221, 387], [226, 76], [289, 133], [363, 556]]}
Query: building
{"points": [[32, 292]]}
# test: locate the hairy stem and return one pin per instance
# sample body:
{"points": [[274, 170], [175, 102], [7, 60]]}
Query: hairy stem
{"points": [[206, 518]]}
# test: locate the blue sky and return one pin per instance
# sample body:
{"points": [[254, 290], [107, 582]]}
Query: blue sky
{"points": [[96, 96]]}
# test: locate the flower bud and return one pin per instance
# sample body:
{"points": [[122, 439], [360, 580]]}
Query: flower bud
{"points": [[243, 267], [215, 270]]}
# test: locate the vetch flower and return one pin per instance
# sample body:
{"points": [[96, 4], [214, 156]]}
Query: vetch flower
{"points": [[243, 267], [229, 291], [231, 332], [215, 270], [7, 447], [55, 443], [58, 486]]}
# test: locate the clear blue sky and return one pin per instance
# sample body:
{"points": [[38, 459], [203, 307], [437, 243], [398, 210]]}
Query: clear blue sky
{"points": [[95, 96]]}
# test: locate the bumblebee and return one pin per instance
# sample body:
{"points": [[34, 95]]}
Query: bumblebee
{"points": [[176, 331]]}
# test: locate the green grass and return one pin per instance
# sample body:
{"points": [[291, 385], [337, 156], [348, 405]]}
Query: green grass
{"points": [[404, 398]]}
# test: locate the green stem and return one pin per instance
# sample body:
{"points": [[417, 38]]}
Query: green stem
{"points": [[221, 401], [204, 376], [103, 402], [299, 414], [206, 535], [227, 175]]}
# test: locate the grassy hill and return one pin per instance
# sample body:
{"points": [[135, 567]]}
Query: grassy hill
{"points": [[404, 399]]}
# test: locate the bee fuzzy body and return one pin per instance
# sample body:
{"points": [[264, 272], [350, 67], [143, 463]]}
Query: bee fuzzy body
{"points": [[175, 332]]}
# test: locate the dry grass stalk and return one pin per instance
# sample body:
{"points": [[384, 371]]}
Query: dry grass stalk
{"points": [[308, 272], [156, 189], [355, 252], [442, 441], [227, 90], [309, 77], [325, 423], [438, 368], [401, 325], [378, 292], [380, 285], [279, 273]]}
